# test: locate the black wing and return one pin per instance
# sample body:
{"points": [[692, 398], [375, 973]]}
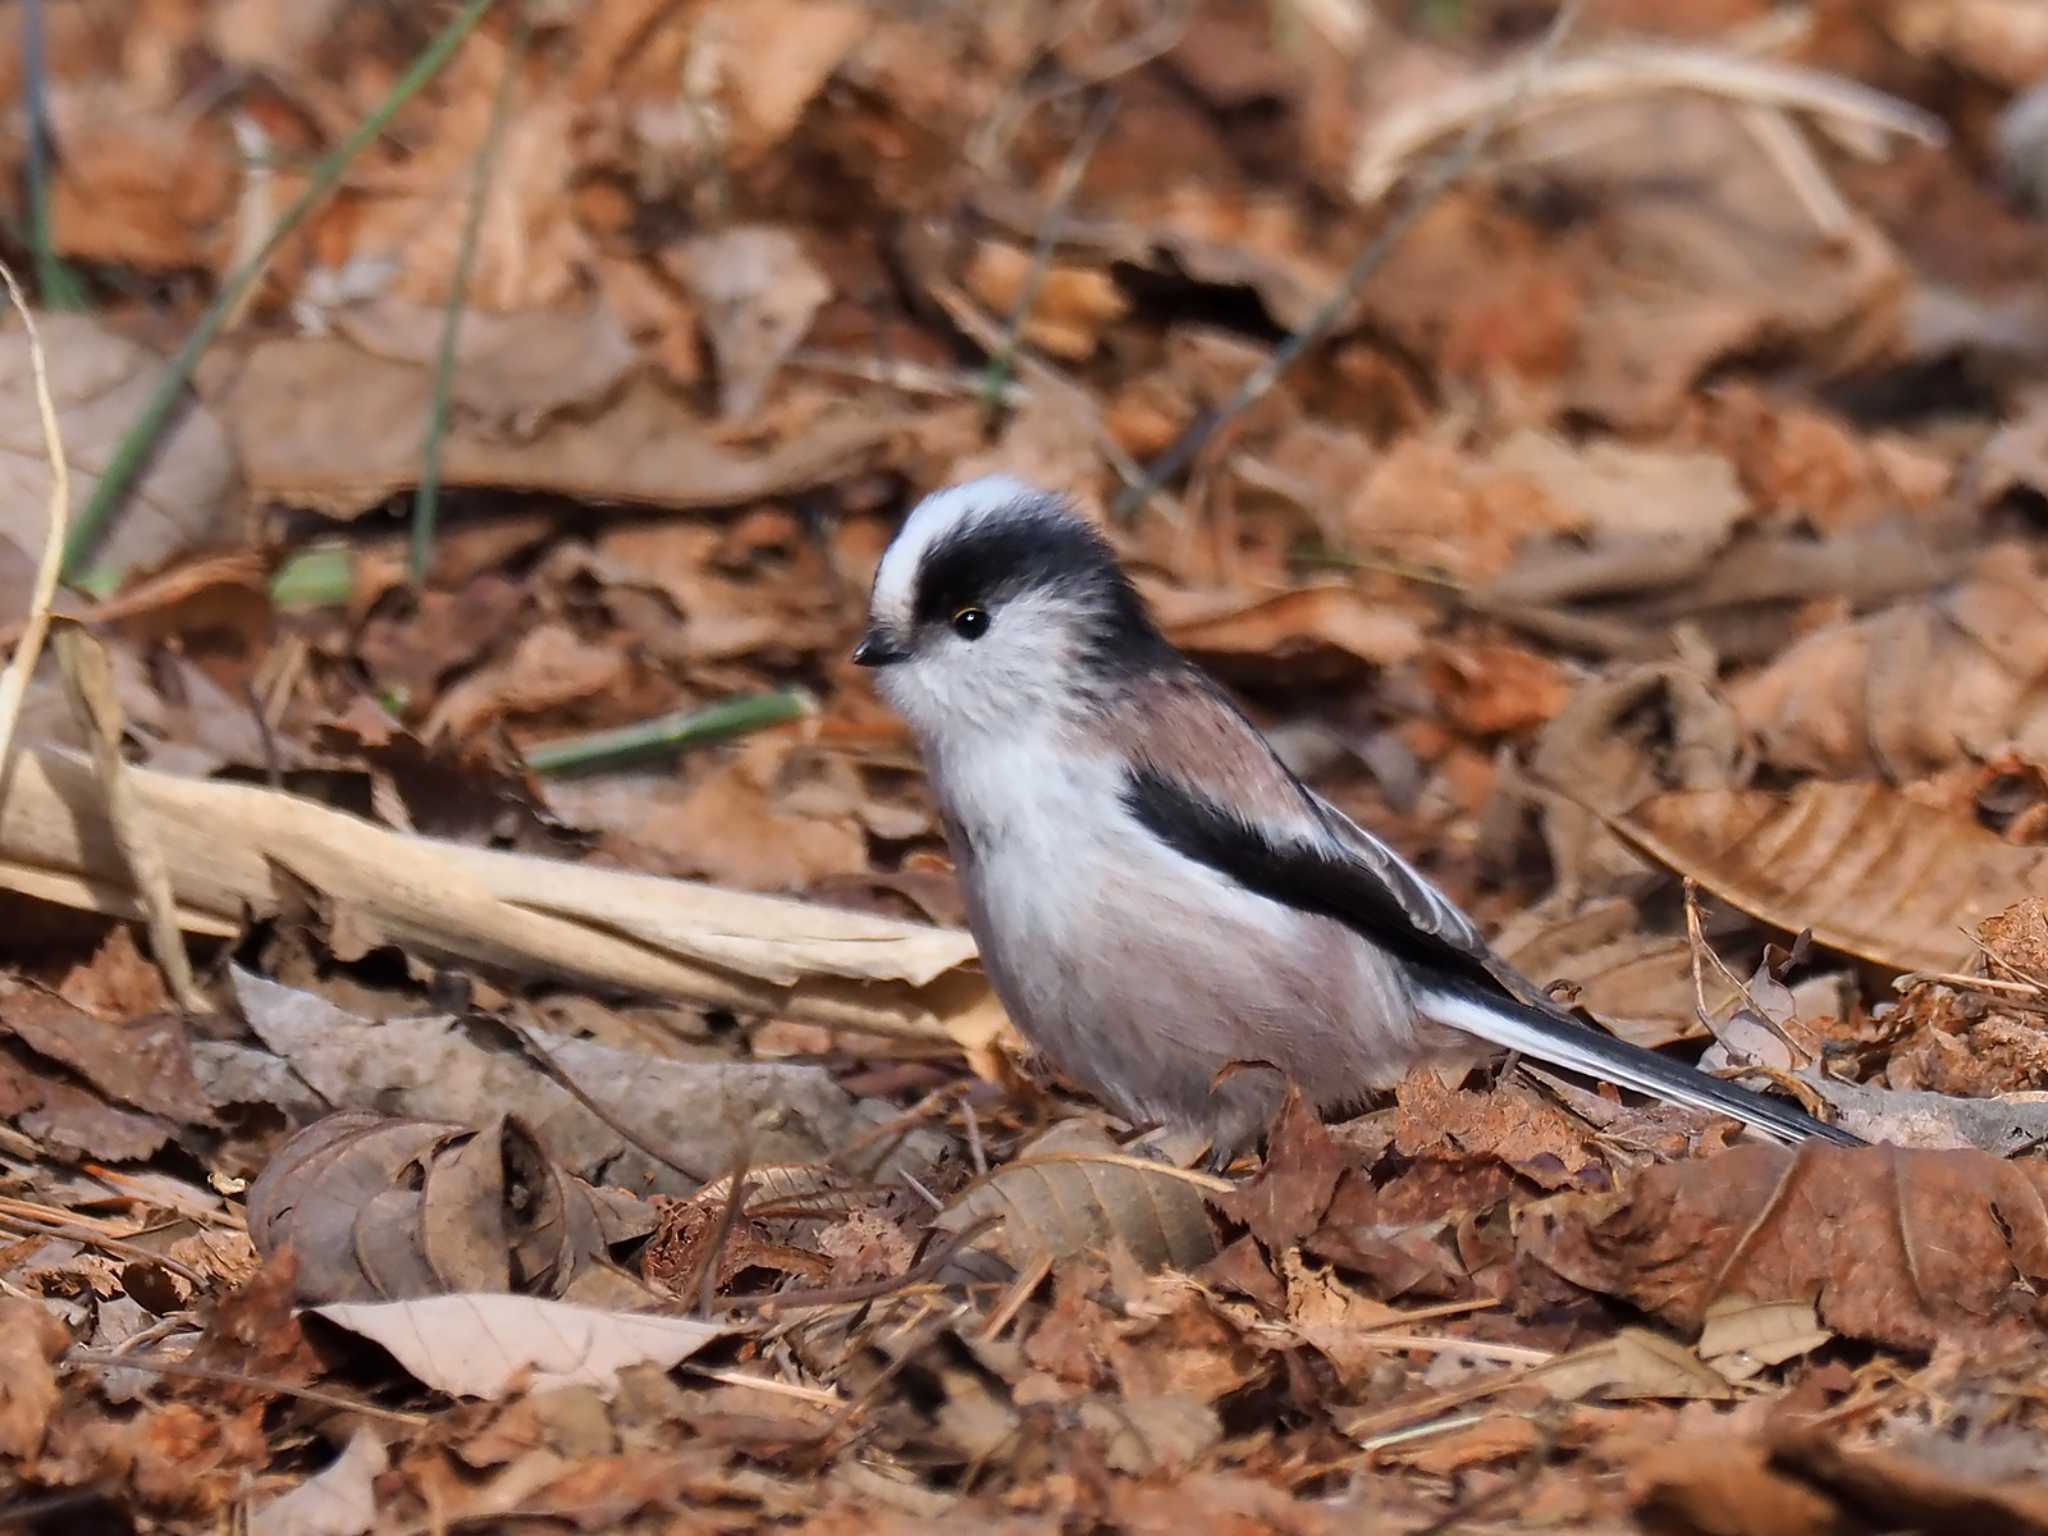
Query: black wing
{"points": [[1360, 882]]}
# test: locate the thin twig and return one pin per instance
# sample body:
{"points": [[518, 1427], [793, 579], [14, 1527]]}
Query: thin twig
{"points": [[140, 439], [101, 1361], [1029, 1278], [113, 1245], [427, 495], [1100, 112], [871, 1290], [735, 1199], [575, 1091], [14, 684], [974, 1148], [1441, 178]]}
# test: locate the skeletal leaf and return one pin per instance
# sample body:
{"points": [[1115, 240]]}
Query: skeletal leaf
{"points": [[1073, 1192]]}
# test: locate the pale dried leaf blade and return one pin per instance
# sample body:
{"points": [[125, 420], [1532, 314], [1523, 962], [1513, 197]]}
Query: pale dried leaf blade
{"points": [[89, 680], [225, 844], [773, 937], [1871, 872], [487, 1346]]}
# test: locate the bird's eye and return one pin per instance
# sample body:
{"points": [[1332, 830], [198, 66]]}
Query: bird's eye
{"points": [[970, 623]]}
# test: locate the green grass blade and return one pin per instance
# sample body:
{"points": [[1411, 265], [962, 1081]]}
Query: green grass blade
{"points": [[666, 735], [57, 286], [426, 499], [135, 446], [321, 577]]}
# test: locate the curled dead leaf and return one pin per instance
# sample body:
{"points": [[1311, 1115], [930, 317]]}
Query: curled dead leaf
{"points": [[1072, 1192], [380, 1209]]}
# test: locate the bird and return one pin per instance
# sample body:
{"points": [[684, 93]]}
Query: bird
{"points": [[1173, 919]]}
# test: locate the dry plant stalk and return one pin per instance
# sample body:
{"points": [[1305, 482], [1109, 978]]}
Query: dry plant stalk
{"points": [[234, 849], [14, 684], [89, 681]]}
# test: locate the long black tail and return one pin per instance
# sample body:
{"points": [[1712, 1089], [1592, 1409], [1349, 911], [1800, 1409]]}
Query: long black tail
{"points": [[1560, 1041]]}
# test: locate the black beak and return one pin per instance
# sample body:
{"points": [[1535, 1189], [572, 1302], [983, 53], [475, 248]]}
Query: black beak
{"points": [[875, 650]]}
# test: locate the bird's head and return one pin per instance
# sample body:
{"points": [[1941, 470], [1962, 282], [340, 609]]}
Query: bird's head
{"points": [[998, 606]]}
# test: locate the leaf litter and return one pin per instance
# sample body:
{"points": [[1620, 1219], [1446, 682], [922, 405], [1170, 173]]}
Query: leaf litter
{"points": [[1640, 521]]}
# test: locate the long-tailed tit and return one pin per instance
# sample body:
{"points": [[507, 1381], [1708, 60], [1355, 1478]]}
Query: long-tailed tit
{"points": [[1165, 910]]}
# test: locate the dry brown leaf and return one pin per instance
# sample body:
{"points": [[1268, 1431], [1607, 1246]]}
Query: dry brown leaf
{"points": [[149, 189], [1423, 504], [771, 57], [645, 447], [1332, 626], [380, 1209], [141, 1060], [551, 666], [100, 381], [1901, 1248], [1072, 1192], [1070, 307], [1638, 984], [763, 818], [1286, 1201], [1492, 690], [514, 373], [491, 1346], [758, 293], [1528, 1135], [1612, 490], [1742, 1337], [529, 248], [1621, 738], [703, 1115], [1917, 687], [1655, 289], [1635, 1363], [29, 1394], [1870, 871], [2004, 1125]]}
